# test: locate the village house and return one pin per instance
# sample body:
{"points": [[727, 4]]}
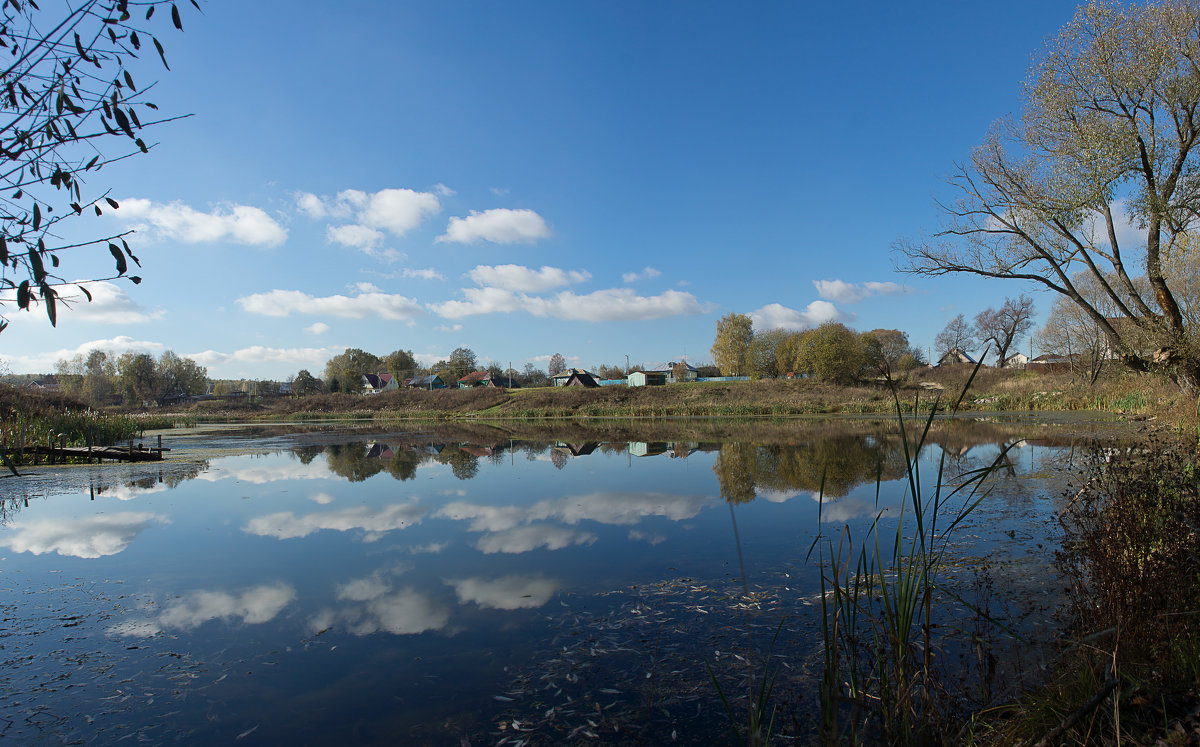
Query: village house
{"points": [[376, 383], [953, 356]]}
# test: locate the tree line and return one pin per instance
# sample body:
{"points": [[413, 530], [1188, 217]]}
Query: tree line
{"points": [[103, 378], [831, 352]]}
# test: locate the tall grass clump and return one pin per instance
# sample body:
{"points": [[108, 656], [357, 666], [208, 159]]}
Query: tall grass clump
{"points": [[880, 683]]}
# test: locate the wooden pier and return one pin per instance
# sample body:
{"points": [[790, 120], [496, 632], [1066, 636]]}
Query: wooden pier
{"points": [[123, 453]]}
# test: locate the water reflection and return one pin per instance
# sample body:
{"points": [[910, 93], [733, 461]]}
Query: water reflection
{"points": [[463, 581], [87, 537]]}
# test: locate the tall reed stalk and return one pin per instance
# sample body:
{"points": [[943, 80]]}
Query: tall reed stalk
{"points": [[879, 682]]}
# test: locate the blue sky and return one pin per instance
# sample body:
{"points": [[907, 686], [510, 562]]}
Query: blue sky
{"points": [[596, 179]]}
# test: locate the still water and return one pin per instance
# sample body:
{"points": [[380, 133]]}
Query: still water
{"points": [[325, 587]]}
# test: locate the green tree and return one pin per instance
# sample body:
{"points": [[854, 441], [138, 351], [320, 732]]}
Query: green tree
{"points": [[1111, 121], [347, 369], [138, 376], [462, 362], [305, 384], [731, 348], [833, 352], [70, 106], [886, 349], [177, 376], [764, 358], [400, 362]]}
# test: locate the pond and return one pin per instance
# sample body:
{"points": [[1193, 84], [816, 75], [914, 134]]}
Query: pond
{"points": [[480, 585]]}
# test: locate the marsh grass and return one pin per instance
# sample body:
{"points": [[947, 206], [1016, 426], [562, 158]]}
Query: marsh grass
{"points": [[879, 595]]}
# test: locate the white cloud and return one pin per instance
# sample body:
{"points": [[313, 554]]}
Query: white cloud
{"points": [[506, 592], [317, 328], [499, 226], [406, 612], [843, 292], [285, 302], [354, 236], [87, 537], [426, 274], [615, 304], [498, 191], [364, 589], [311, 205], [443, 190], [305, 357], [239, 224], [321, 497], [254, 606], [43, 362], [110, 304], [446, 328], [646, 273], [653, 539], [375, 522], [777, 316], [398, 211], [253, 470], [604, 507], [524, 279]]}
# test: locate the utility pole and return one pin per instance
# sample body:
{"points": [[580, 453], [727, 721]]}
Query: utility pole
{"points": [[627, 364]]}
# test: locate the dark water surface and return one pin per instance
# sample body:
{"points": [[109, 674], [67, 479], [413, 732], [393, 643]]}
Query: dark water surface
{"points": [[321, 587]]}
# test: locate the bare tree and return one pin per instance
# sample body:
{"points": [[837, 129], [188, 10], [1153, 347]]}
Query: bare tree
{"points": [[956, 335], [1004, 326], [1111, 121], [69, 105], [557, 364]]}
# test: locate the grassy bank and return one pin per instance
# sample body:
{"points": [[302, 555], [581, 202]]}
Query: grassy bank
{"points": [[993, 391]]}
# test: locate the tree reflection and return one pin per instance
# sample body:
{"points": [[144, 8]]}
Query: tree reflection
{"points": [[833, 465]]}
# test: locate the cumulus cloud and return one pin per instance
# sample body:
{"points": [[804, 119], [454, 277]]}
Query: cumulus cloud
{"points": [[777, 316], [506, 592], [614, 304], [374, 522], [646, 273], [525, 279], [317, 328], [42, 362], [843, 292], [256, 471], [426, 274], [238, 224], [372, 304], [87, 537], [305, 357], [354, 235], [443, 190], [372, 607], [364, 589], [499, 226], [110, 304]]}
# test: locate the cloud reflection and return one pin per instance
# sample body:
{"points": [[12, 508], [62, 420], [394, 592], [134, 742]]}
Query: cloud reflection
{"points": [[89, 537], [375, 522], [270, 471], [506, 592], [524, 539], [251, 607], [605, 507]]}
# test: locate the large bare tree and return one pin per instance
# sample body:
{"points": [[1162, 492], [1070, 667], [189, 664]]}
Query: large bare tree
{"points": [[1109, 126], [1004, 326]]}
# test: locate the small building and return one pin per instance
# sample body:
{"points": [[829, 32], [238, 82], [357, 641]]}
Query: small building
{"points": [[562, 377], [501, 382], [1016, 360], [647, 378], [474, 379], [668, 369], [432, 381], [953, 356], [580, 377], [376, 383]]}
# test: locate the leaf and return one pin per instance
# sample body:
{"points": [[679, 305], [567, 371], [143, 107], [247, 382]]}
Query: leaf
{"points": [[91, 163], [35, 263], [37, 216], [54, 260], [85, 291], [123, 121], [97, 209], [112, 203], [23, 295], [141, 145], [3, 251], [122, 265], [136, 280], [175, 17], [161, 54], [129, 81], [48, 297], [134, 40], [149, 12]]}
